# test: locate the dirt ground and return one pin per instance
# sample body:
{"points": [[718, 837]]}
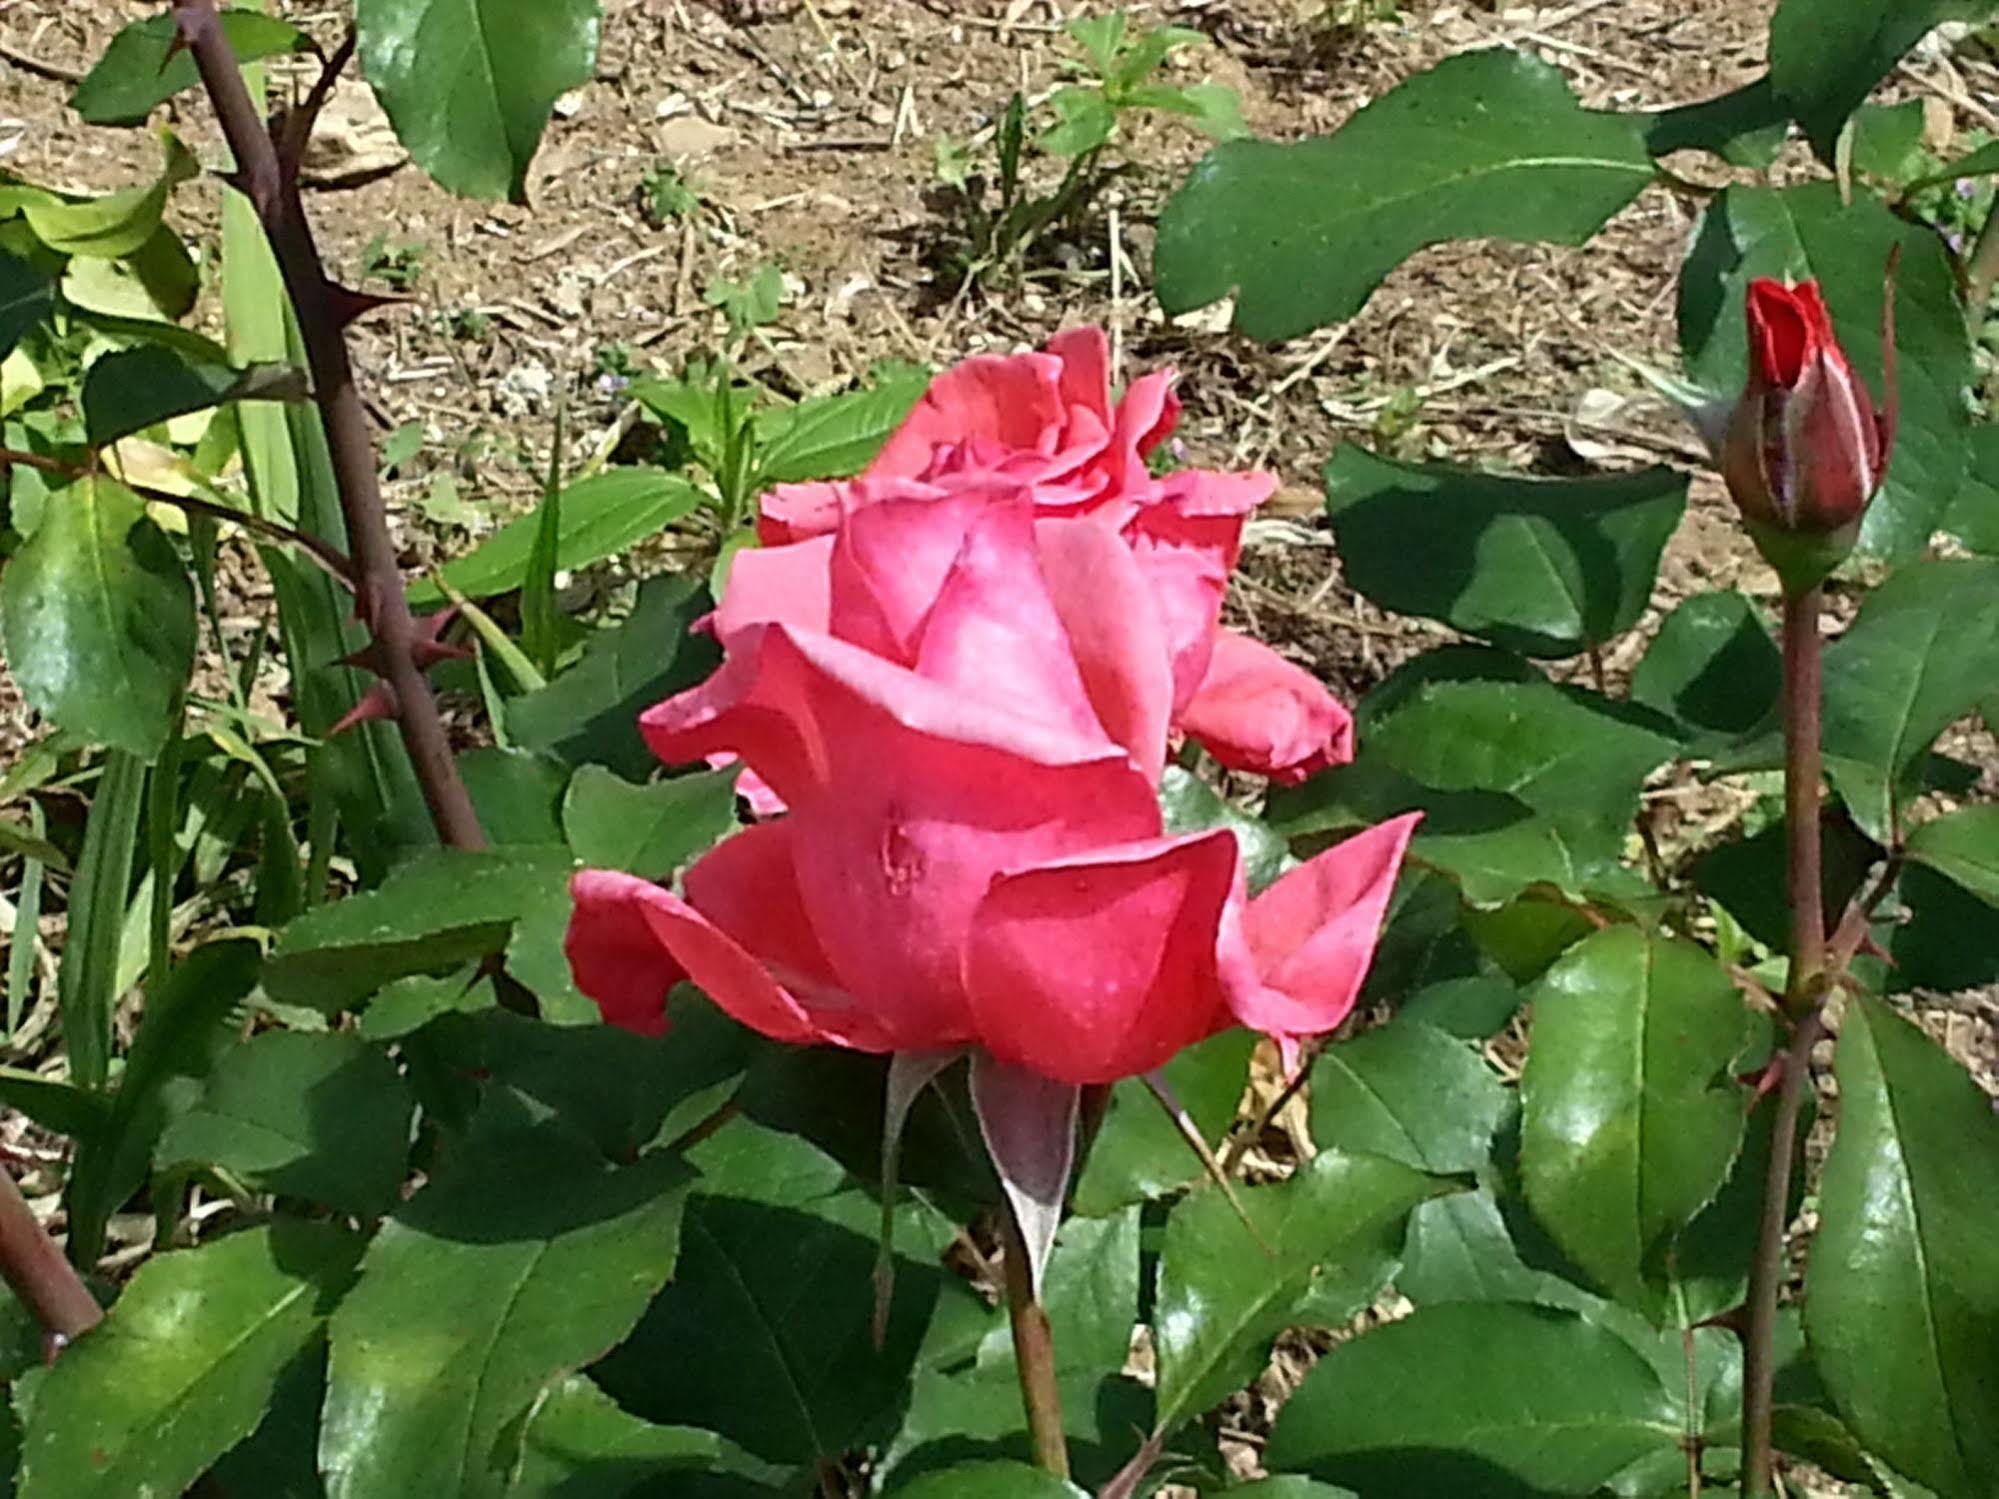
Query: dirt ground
{"points": [[809, 129]]}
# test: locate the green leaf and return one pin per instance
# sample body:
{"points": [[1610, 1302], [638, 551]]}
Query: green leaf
{"points": [[1964, 845], [1827, 55], [601, 516], [989, 1480], [1745, 127], [88, 985], [1713, 667], [833, 437], [775, 1259], [580, 1445], [1888, 142], [1332, 1232], [1902, 1288], [26, 297], [189, 1021], [956, 1417], [1472, 1009], [1630, 1118], [1190, 805], [650, 830], [1922, 653], [129, 390], [1138, 1154], [1543, 567], [97, 614], [1973, 517], [469, 84], [1476, 1398], [117, 224], [442, 908], [181, 1368], [590, 712], [1521, 782], [539, 640], [1084, 121], [1286, 1486], [1415, 1095], [280, 1459], [516, 794], [1806, 232], [1487, 144], [519, 1263], [142, 68], [325, 1117], [1746, 875], [1212, 108]]}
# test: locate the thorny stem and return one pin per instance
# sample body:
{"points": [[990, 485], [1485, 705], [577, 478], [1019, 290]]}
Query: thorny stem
{"points": [[38, 1272], [1803, 1003], [1034, 1354], [323, 310]]}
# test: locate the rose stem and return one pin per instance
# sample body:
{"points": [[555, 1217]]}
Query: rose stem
{"points": [[1034, 1354], [1803, 998]]}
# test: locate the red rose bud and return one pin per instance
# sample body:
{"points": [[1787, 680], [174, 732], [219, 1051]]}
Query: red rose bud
{"points": [[1806, 446]]}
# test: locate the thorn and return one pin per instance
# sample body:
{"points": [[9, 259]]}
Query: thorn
{"points": [[1765, 1082], [378, 702], [236, 177], [348, 305], [175, 47]]}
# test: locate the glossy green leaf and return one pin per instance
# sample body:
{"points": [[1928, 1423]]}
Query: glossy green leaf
{"points": [[469, 84], [1543, 567], [1973, 517], [1332, 1233], [580, 1445], [832, 437], [181, 1368], [134, 388], [1138, 1154], [87, 984], [1473, 1009], [1888, 142], [1476, 1398], [188, 1022], [97, 615], [601, 516], [280, 1459], [142, 68], [439, 910], [1190, 805], [1902, 1287], [621, 1091], [1745, 127], [649, 830], [1487, 144], [1746, 875], [1965, 846], [1827, 55], [1714, 668], [590, 712], [1289, 1486], [1922, 653], [775, 1260], [1806, 232], [1630, 1117], [517, 795], [117, 224], [1418, 1096], [519, 1263], [26, 296], [325, 1117], [989, 1480]]}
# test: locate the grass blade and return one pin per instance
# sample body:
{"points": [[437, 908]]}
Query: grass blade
{"points": [[87, 983]]}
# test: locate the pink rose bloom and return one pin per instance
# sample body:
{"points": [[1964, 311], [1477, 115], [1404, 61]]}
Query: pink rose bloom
{"points": [[962, 699], [1044, 426]]}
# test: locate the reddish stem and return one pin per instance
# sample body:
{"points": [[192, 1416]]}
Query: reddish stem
{"points": [[38, 1272], [1034, 1354], [1804, 997], [323, 311]]}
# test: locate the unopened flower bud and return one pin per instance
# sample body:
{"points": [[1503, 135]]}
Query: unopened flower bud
{"points": [[1806, 446]]}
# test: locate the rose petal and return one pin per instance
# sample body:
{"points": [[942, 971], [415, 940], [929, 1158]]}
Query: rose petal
{"points": [[994, 633], [1186, 538], [1259, 713], [1112, 618], [613, 954], [768, 583], [1312, 934], [1014, 399], [889, 563], [1105, 964]]}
